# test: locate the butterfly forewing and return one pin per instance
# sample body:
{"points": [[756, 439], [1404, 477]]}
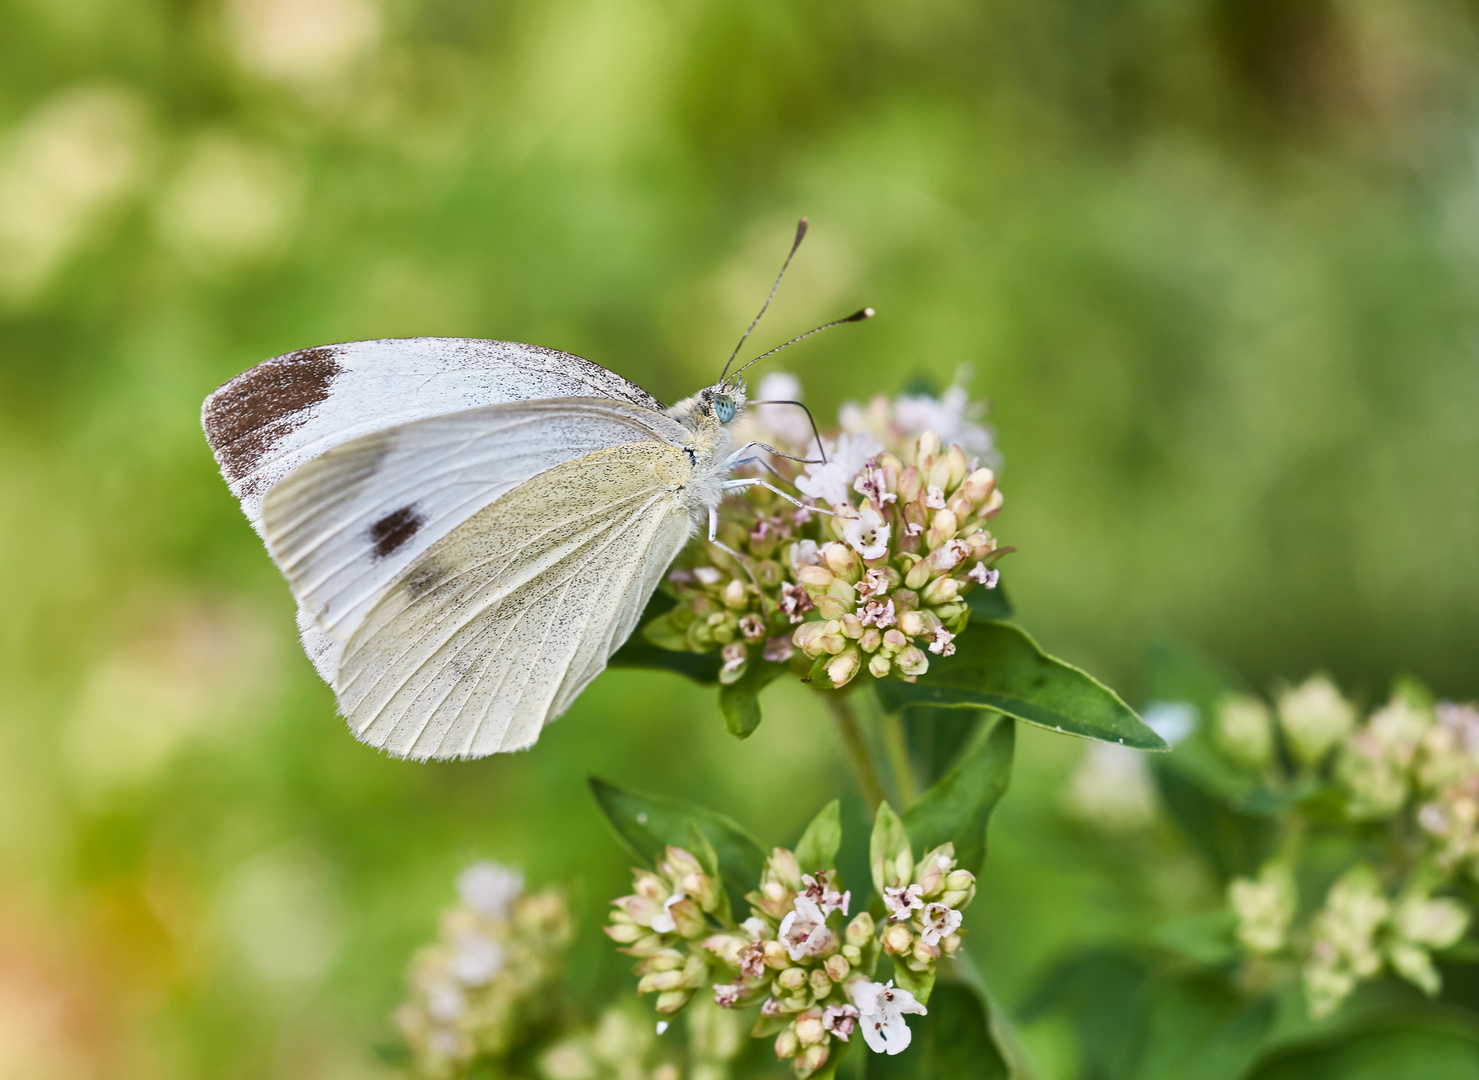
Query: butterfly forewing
{"points": [[349, 523], [503, 622]]}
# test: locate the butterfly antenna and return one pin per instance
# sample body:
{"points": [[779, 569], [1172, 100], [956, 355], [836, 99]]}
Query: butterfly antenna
{"points": [[821, 447], [801, 228], [856, 316]]}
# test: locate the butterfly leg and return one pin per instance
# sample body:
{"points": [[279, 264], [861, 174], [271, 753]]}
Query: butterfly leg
{"points": [[736, 556], [751, 481]]}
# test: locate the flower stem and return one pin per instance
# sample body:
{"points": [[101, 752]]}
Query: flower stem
{"points": [[897, 748], [840, 706]]}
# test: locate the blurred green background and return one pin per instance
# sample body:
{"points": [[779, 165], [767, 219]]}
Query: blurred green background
{"points": [[1214, 263]]}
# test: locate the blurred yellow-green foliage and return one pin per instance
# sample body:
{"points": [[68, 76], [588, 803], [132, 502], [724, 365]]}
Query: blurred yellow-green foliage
{"points": [[1215, 263]]}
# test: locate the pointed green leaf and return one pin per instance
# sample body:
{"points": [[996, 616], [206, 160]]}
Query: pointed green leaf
{"points": [[888, 850], [646, 824], [740, 700], [954, 1040], [959, 807], [817, 849], [1000, 667]]}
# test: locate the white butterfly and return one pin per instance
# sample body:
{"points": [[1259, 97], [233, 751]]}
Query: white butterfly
{"points": [[470, 528]]}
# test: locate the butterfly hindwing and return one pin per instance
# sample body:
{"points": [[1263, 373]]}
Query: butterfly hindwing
{"points": [[505, 620]]}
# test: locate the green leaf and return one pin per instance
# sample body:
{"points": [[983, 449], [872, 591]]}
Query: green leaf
{"points": [[646, 824], [638, 652], [958, 808], [988, 604], [1000, 667], [918, 983], [888, 850], [817, 848], [953, 1041], [740, 700], [1407, 1053], [1203, 938]]}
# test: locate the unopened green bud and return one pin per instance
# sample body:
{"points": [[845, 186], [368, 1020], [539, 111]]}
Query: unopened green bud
{"points": [[647, 884], [918, 576], [815, 579], [702, 889], [659, 981], [879, 666], [923, 956], [838, 968], [673, 1001], [909, 484], [933, 867], [912, 661], [939, 474], [852, 626], [786, 1044], [941, 591], [812, 1059], [735, 595], [871, 639], [783, 867], [624, 933], [1314, 717], [853, 954], [807, 638], [960, 889], [688, 918], [860, 931], [1245, 731], [832, 607], [792, 979], [775, 955], [821, 984]]}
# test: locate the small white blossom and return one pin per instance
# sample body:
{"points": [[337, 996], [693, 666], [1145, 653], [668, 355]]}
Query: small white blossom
{"points": [[707, 575], [953, 553], [950, 416], [476, 959], [489, 889], [902, 900], [875, 614], [804, 553], [913, 528], [867, 534], [983, 576], [832, 482], [820, 892], [943, 643], [794, 601], [939, 921], [934, 498], [779, 648], [804, 930], [870, 484], [445, 1002], [881, 1011], [727, 995]]}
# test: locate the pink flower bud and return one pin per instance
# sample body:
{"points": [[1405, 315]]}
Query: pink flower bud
{"points": [[842, 561], [781, 867], [786, 1044], [897, 940], [927, 446], [812, 1059], [809, 1029], [939, 474], [842, 669], [871, 639], [806, 638], [837, 969], [832, 607], [852, 626], [959, 467], [776, 956], [659, 981], [646, 883], [909, 484], [894, 640]]}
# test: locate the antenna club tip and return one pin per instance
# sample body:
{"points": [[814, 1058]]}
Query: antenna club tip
{"points": [[859, 316], [801, 227]]}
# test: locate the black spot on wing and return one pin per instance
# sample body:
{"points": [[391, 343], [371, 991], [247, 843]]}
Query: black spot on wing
{"points": [[248, 416], [422, 579], [394, 529]]}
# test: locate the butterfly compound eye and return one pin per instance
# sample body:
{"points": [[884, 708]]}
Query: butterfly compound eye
{"points": [[724, 408]]}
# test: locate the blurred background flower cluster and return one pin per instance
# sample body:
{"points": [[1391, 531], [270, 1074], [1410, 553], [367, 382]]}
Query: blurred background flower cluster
{"points": [[1213, 262]]}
